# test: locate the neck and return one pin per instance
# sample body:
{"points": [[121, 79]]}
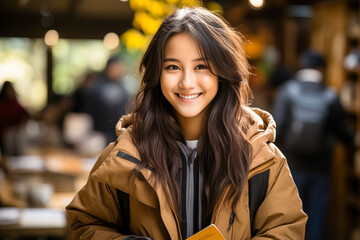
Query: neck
{"points": [[191, 127]]}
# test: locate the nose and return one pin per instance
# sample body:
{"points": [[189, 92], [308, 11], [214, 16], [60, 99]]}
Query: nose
{"points": [[187, 80]]}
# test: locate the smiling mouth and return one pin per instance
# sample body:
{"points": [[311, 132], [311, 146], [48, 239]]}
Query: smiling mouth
{"points": [[188, 96]]}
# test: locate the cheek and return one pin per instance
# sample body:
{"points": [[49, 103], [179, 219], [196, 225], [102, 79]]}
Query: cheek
{"points": [[216, 84], [212, 86], [168, 81], [164, 84]]}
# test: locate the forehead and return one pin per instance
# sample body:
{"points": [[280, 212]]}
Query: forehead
{"points": [[182, 44]]}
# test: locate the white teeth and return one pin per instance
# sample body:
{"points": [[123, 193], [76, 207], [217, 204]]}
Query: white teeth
{"points": [[188, 97]]}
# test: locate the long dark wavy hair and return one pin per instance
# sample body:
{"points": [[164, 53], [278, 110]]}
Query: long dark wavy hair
{"points": [[224, 153]]}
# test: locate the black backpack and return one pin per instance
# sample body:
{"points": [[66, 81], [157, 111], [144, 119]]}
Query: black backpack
{"points": [[308, 118]]}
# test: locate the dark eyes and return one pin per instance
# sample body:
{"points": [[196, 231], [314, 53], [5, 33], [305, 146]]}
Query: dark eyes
{"points": [[172, 67], [198, 67], [201, 66]]}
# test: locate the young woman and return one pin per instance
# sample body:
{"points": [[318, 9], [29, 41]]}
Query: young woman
{"points": [[186, 155]]}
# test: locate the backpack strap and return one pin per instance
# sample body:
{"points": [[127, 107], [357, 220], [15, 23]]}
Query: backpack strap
{"points": [[258, 185], [125, 210]]}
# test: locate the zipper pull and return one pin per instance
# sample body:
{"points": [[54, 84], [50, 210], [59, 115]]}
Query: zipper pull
{"points": [[231, 220]]}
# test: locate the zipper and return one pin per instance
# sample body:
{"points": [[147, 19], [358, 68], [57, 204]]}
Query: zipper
{"points": [[261, 168]]}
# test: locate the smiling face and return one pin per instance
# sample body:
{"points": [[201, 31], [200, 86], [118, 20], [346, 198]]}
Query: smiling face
{"points": [[186, 80]]}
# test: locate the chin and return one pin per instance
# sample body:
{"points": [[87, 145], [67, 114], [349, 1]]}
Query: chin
{"points": [[188, 114]]}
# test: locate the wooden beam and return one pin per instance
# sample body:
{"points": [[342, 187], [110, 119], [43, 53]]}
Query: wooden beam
{"points": [[68, 26]]}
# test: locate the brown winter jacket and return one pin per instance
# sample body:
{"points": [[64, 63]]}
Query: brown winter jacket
{"points": [[96, 211]]}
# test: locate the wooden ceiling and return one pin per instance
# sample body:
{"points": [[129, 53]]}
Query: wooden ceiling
{"points": [[90, 19]]}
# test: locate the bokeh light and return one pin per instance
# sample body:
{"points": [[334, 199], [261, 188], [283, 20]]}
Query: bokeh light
{"points": [[51, 37], [111, 40], [256, 4]]}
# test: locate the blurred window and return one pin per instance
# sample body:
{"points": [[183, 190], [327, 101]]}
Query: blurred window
{"points": [[23, 62], [72, 58]]}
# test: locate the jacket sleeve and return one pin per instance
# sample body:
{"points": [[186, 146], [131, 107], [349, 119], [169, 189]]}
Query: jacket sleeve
{"points": [[96, 212], [280, 216]]}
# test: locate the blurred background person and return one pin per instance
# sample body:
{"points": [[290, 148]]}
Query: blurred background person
{"points": [[54, 116], [13, 117], [81, 97], [309, 118], [108, 98]]}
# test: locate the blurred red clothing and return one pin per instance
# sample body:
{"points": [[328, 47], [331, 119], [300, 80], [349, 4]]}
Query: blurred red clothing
{"points": [[12, 114]]}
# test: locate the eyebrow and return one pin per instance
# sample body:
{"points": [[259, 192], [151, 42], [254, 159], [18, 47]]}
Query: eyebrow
{"points": [[177, 60]]}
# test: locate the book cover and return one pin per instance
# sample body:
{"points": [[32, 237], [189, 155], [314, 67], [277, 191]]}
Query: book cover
{"points": [[209, 233]]}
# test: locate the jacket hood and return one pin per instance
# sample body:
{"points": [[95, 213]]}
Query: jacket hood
{"points": [[261, 134], [124, 122], [259, 129]]}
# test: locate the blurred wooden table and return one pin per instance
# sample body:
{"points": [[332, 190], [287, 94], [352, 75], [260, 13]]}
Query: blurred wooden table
{"points": [[33, 222], [65, 171]]}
